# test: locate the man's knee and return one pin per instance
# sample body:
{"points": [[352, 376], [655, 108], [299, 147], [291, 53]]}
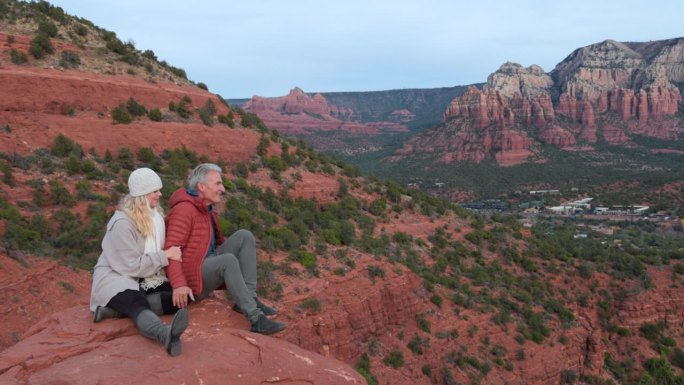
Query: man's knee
{"points": [[229, 261], [245, 235]]}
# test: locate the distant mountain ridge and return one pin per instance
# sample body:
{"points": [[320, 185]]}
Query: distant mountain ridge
{"points": [[603, 92], [352, 121]]}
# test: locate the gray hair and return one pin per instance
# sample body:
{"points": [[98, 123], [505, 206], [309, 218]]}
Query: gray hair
{"points": [[199, 174]]}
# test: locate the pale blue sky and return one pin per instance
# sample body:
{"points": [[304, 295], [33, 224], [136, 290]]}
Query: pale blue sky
{"points": [[267, 47]]}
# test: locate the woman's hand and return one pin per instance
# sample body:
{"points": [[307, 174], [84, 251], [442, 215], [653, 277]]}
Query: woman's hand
{"points": [[174, 253]]}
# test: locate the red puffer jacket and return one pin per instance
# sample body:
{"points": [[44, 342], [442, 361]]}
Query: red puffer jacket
{"points": [[188, 225]]}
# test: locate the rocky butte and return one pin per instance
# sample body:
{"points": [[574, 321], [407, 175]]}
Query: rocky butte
{"points": [[605, 91], [298, 113]]}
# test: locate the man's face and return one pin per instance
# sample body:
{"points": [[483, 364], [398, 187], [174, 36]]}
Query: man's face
{"points": [[213, 190]]}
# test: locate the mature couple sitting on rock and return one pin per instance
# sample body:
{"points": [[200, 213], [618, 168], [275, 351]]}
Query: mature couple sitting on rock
{"points": [[151, 266]]}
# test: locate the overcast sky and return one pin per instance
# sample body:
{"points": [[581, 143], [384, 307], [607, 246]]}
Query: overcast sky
{"points": [[267, 47]]}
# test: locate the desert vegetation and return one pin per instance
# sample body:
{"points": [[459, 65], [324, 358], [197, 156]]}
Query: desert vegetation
{"points": [[492, 271]]}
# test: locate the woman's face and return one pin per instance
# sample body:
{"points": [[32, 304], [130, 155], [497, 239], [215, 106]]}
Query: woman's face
{"points": [[153, 198]]}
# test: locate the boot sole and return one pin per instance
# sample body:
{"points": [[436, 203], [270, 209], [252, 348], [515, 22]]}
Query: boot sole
{"points": [[178, 325], [280, 328]]}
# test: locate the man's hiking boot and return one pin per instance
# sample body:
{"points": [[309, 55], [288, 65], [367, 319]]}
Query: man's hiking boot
{"points": [[264, 325], [261, 306]]}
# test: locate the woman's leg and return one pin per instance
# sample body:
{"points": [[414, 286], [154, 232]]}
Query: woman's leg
{"points": [[134, 305], [129, 303], [161, 299]]}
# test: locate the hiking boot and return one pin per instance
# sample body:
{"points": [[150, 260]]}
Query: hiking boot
{"points": [[261, 306], [266, 326], [104, 312], [151, 326], [265, 308]]}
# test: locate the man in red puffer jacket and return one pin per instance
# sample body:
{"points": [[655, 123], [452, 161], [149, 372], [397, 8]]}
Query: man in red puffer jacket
{"points": [[208, 260]]}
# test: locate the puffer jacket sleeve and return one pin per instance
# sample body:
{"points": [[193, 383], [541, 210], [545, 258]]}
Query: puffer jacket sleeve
{"points": [[178, 228], [125, 256]]}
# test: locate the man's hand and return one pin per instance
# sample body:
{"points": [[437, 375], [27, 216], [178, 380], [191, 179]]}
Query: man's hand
{"points": [[180, 296]]}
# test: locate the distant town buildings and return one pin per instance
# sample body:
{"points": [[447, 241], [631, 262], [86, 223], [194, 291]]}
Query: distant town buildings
{"points": [[574, 207], [622, 210], [486, 205], [544, 192], [583, 206]]}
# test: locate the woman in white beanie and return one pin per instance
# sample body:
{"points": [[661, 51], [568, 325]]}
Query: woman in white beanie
{"points": [[132, 263]]}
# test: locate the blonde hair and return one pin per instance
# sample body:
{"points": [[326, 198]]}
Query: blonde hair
{"points": [[138, 210]]}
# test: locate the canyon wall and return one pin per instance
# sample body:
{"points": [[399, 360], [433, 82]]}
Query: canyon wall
{"points": [[602, 92]]}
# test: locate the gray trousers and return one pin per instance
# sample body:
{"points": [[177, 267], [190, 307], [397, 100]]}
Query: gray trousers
{"points": [[234, 264]]}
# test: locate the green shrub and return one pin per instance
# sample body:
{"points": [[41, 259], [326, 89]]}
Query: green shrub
{"points": [[19, 236], [202, 86], [417, 343], [41, 46], [72, 165], [62, 146], [402, 238], [18, 57], [70, 59], [662, 372], [182, 109], [59, 194], [281, 238], [313, 304], [227, 120], [146, 155], [81, 30], [375, 271], [262, 147], [652, 331], [423, 324], [363, 366], [134, 108], [155, 115], [677, 358], [83, 190], [240, 170], [304, 257], [68, 110], [120, 115], [8, 177], [125, 158], [378, 206], [48, 28], [395, 359]]}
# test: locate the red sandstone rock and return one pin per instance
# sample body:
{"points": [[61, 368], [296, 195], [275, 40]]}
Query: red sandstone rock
{"points": [[299, 113], [557, 136], [69, 349], [35, 123], [633, 80]]}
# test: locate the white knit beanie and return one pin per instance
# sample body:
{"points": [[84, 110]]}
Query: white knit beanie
{"points": [[143, 181]]}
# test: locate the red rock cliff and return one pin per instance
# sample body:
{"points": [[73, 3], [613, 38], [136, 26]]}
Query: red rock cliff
{"points": [[634, 82], [299, 113]]}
